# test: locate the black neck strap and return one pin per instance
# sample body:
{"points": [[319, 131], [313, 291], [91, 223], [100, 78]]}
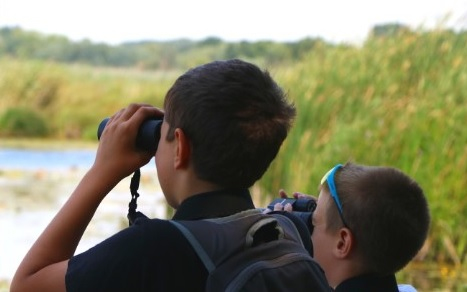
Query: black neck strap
{"points": [[134, 185]]}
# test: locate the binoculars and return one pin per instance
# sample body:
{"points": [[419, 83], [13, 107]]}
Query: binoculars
{"points": [[302, 208], [148, 135]]}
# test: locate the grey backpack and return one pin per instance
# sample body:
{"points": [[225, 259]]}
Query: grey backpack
{"points": [[251, 251]]}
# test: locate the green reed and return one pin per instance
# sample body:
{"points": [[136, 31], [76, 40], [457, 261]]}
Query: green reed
{"points": [[399, 102], [73, 99]]}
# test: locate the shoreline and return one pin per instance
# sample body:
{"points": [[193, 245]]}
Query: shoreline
{"points": [[48, 144]]}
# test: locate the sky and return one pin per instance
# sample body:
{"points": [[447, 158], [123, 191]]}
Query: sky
{"points": [[117, 21]]}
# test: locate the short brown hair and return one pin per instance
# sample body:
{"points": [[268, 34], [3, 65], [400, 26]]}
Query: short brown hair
{"points": [[386, 211], [235, 116]]}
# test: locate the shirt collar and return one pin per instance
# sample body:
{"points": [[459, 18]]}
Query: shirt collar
{"points": [[369, 283], [214, 204]]}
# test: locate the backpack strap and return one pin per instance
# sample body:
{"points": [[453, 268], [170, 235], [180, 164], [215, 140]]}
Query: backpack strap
{"points": [[196, 245]]}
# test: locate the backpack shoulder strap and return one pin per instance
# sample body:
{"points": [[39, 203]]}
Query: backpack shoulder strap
{"points": [[196, 245]]}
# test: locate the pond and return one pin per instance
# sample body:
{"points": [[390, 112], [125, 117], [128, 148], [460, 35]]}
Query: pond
{"points": [[35, 183]]}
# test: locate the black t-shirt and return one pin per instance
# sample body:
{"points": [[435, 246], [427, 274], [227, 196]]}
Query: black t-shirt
{"points": [[369, 283], [152, 255]]}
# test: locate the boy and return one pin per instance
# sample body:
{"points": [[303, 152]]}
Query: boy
{"points": [[370, 221], [223, 124]]}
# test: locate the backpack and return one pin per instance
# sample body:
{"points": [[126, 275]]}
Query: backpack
{"points": [[251, 251]]}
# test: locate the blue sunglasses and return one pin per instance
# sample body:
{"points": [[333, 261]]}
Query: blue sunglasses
{"points": [[329, 178]]}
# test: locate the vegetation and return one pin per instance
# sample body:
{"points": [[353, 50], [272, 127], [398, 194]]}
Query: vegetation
{"points": [[70, 100], [398, 100], [146, 55]]}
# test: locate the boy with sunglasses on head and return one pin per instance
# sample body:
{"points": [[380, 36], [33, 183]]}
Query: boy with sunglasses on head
{"points": [[369, 222]]}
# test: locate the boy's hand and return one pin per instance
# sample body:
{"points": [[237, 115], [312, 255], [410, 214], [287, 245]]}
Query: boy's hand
{"points": [[117, 154], [296, 195]]}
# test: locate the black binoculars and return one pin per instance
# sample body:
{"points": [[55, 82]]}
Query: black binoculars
{"points": [[148, 135], [302, 208]]}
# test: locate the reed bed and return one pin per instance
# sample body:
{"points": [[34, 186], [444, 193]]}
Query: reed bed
{"points": [[399, 102]]}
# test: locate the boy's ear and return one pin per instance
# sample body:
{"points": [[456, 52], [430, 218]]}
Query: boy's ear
{"points": [[182, 149], [345, 243]]}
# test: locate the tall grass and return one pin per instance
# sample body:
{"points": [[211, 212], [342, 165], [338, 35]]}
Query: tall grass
{"points": [[399, 102], [74, 99]]}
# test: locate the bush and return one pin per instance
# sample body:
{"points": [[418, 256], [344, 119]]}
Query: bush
{"points": [[22, 122]]}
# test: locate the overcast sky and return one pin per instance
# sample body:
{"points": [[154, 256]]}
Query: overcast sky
{"points": [[118, 21]]}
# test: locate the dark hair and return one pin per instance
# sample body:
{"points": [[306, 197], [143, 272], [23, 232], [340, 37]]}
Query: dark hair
{"points": [[387, 213], [235, 116]]}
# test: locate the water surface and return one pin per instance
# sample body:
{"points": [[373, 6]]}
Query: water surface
{"points": [[34, 159], [36, 182]]}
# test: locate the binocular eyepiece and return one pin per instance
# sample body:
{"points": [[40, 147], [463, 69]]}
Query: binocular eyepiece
{"points": [[148, 135]]}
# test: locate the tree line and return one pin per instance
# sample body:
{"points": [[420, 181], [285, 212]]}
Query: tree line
{"points": [[148, 55], [158, 55]]}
